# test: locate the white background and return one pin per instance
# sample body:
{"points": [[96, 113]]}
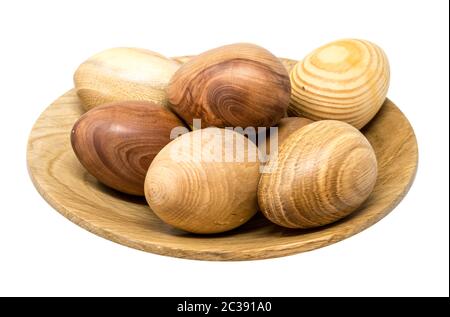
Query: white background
{"points": [[42, 43]]}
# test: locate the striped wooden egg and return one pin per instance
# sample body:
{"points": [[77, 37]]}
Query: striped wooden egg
{"points": [[323, 172], [346, 80]]}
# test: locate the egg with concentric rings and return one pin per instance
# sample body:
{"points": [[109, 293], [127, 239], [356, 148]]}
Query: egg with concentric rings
{"points": [[117, 142], [323, 172], [345, 80], [234, 85]]}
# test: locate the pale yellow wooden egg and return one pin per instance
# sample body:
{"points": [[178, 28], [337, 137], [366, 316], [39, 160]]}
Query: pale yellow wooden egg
{"points": [[205, 181], [121, 74], [345, 80]]}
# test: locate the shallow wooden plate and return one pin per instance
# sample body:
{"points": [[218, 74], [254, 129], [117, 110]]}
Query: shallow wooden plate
{"points": [[66, 186]]}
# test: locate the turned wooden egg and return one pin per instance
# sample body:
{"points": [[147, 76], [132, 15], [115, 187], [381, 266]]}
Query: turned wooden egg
{"points": [[234, 85], [117, 142], [323, 172], [346, 80], [121, 74], [204, 181]]}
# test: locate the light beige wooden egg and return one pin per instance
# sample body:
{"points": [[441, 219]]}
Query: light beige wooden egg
{"points": [[345, 80], [121, 74], [205, 181], [323, 172]]}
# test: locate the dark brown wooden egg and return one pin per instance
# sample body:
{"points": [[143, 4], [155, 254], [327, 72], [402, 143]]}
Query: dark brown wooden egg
{"points": [[234, 85], [117, 142]]}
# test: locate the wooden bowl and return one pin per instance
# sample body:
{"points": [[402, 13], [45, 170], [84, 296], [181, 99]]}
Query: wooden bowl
{"points": [[65, 185]]}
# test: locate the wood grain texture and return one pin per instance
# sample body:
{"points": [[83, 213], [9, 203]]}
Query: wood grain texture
{"points": [[193, 185], [322, 173], [287, 63], [121, 74], [238, 85], [117, 142], [289, 125], [286, 126], [65, 185], [345, 80]]}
